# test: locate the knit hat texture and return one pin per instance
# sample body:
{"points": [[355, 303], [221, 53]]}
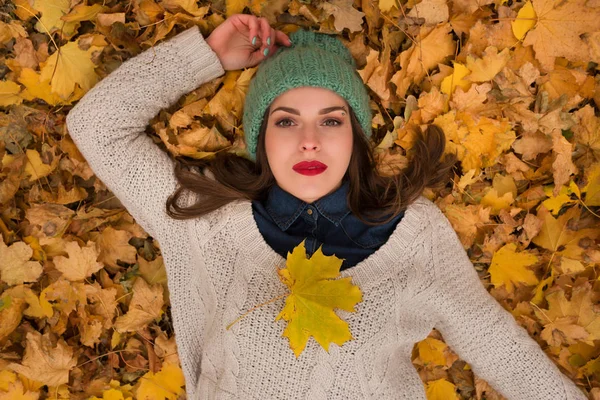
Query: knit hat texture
{"points": [[314, 59]]}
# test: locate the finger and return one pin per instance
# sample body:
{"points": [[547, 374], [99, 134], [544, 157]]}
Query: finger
{"points": [[282, 38], [247, 25], [254, 30], [265, 30]]}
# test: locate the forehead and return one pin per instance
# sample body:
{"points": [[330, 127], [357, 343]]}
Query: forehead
{"points": [[309, 97]]}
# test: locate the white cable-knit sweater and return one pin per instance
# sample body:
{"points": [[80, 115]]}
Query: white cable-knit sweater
{"points": [[219, 266]]}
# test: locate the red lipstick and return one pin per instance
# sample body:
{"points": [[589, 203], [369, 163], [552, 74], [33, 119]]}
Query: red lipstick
{"points": [[310, 168]]}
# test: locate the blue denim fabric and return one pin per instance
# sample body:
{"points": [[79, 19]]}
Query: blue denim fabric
{"points": [[285, 221]]}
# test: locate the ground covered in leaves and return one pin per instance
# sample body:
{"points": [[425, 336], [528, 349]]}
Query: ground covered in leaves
{"points": [[84, 306]]}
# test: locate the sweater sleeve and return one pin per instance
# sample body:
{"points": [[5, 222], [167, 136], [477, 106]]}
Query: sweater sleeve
{"points": [[481, 331], [108, 123]]}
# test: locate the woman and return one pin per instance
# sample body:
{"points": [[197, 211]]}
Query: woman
{"points": [[308, 176]]}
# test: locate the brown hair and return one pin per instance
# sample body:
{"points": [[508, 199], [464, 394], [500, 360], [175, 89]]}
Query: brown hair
{"points": [[370, 196]]}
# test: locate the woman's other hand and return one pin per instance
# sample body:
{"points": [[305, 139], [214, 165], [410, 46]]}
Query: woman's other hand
{"points": [[232, 41]]}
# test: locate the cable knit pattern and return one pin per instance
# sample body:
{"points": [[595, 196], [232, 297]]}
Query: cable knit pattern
{"points": [[219, 266]]}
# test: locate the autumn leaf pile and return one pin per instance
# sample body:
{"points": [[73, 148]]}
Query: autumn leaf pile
{"points": [[84, 306]]}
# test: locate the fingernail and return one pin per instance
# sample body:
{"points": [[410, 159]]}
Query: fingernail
{"points": [[266, 52], [269, 41], [253, 40]]}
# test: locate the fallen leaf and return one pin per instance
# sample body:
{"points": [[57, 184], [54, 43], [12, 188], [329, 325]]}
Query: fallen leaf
{"points": [[314, 293], [145, 306], [441, 389], [344, 14], [165, 384], [509, 268], [45, 362], [81, 262], [15, 267]]}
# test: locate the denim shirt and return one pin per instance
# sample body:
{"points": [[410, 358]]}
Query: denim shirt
{"points": [[285, 221]]}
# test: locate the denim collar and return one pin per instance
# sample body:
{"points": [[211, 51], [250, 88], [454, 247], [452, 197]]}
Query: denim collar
{"points": [[285, 208]]}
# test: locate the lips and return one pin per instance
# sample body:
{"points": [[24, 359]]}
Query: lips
{"points": [[310, 167]]}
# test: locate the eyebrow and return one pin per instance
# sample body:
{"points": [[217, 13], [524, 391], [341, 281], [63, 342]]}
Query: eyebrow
{"points": [[323, 111]]}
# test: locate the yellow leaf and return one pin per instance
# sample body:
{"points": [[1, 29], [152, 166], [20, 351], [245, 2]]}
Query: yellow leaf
{"points": [[11, 311], [570, 266], [431, 47], [456, 79], [496, 201], [235, 6], [592, 188], [441, 389], [502, 193], [431, 351], [387, 5], [486, 68], [570, 321], [52, 12], [525, 21], [68, 67], [165, 384], [81, 263], [555, 204], [541, 288], [15, 267], [44, 362], [81, 12], [34, 88], [190, 6], [35, 168], [115, 339], [509, 268], [554, 232], [9, 93], [13, 388], [145, 306], [314, 294]]}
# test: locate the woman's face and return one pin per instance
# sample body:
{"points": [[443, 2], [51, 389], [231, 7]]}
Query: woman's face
{"points": [[308, 141]]}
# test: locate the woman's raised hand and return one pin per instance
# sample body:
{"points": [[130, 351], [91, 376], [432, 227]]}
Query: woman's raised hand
{"points": [[244, 41]]}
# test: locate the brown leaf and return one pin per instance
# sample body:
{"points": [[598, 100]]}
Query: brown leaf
{"points": [[145, 306], [44, 361]]}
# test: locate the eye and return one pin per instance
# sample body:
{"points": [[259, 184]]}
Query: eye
{"points": [[281, 122], [336, 122]]}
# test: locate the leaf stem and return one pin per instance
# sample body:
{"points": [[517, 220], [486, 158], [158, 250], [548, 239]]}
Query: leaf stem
{"points": [[254, 308]]}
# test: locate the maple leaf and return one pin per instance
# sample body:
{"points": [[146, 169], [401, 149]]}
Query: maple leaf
{"points": [[509, 267], [441, 389], [15, 267], [145, 306], [314, 294], [433, 11], [486, 68], [52, 12], [44, 362], [431, 351], [570, 321], [11, 387], [525, 21], [68, 67], [429, 48], [9, 93], [558, 29], [81, 263], [345, 16], [165, 384]]}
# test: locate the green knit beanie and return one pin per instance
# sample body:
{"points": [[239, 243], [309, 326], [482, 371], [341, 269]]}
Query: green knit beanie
{"points": [[313, 59]]}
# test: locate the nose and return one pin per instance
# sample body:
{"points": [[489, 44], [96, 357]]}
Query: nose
{"points": [[309, 140]]}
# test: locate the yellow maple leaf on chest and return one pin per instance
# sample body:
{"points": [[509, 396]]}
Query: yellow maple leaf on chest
{"points": [[315, 292]]}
